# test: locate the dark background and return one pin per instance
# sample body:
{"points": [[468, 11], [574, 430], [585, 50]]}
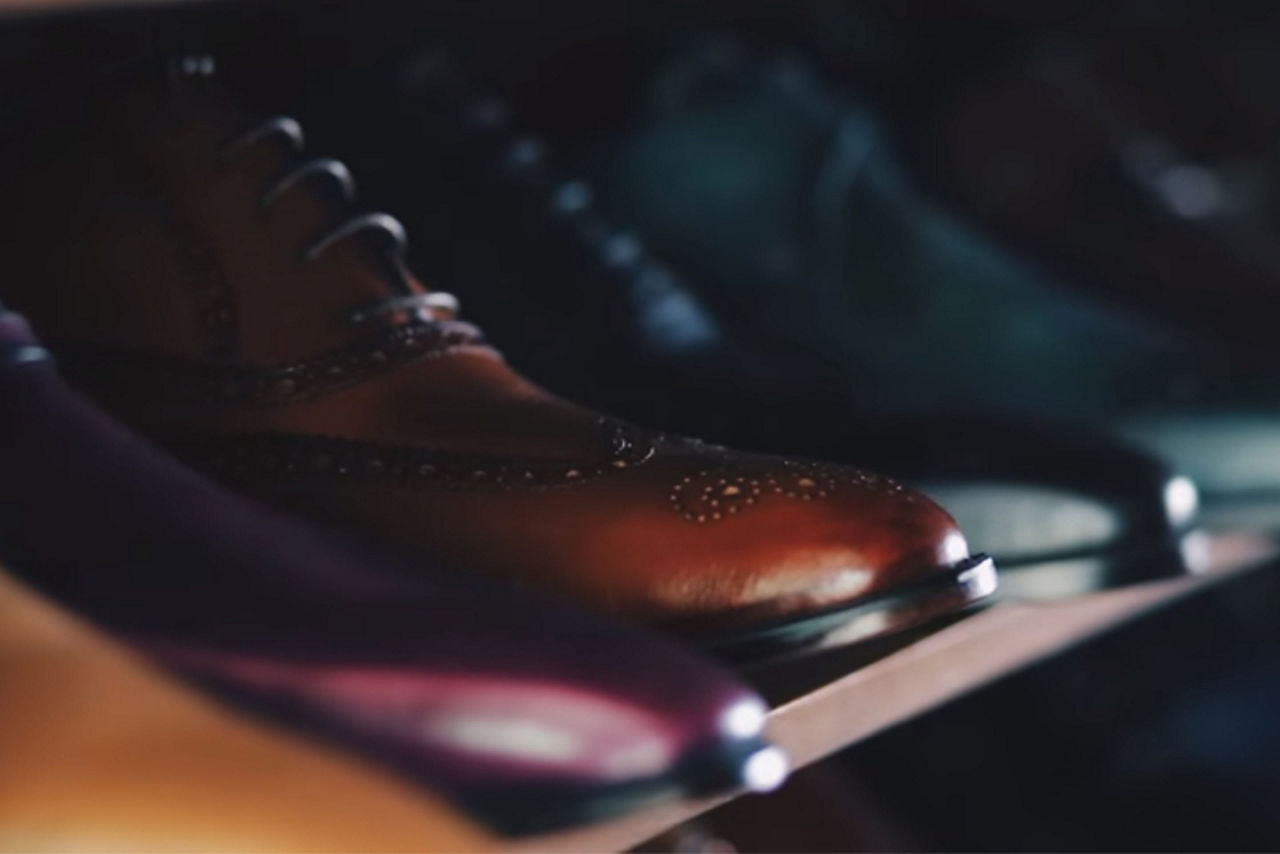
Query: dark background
{"points": [[1161, 736]]}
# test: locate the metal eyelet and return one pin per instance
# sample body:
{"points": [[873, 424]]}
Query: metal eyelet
{"points": [[621, 250], [488, 114], [192, 65], [525, 153], [571, 198]]}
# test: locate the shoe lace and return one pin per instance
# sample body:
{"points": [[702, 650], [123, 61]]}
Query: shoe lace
{"points": [[408, 298]]}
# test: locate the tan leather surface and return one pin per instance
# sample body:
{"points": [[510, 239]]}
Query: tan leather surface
{"points": [[688, 531], [809, 538], [99, 752]]}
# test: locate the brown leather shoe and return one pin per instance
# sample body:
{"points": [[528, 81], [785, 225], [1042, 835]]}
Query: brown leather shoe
{"points": [[205, 280], [103, 754]]}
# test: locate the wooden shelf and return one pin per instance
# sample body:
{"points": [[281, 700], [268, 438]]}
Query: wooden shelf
{"points": [[921, 675]]}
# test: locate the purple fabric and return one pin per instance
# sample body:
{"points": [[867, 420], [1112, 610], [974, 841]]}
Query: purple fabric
{"points": [[473, 687]]}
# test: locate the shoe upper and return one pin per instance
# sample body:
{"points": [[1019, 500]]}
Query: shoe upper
{"points": [[239, 311], [477, 689], [90, 735]]}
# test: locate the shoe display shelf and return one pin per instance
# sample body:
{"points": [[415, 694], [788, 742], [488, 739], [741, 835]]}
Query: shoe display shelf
{"points": [[827, 702], [824, 705]]}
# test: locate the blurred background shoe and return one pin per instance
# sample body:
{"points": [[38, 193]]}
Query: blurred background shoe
{"points": [[1137, 136], [526, 715], [104, 753], [1128, 150]]}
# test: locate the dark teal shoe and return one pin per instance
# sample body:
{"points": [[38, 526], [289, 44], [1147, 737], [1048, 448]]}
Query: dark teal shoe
{"points": [[781, 201], [783, 208]]}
